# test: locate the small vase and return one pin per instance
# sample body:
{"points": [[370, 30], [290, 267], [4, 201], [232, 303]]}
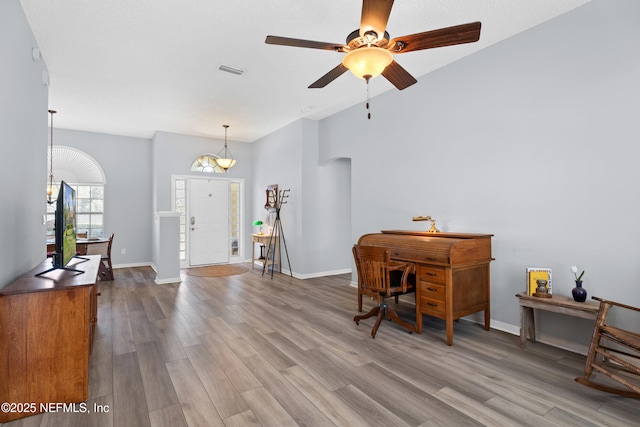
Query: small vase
{"points": [[579, 293]]}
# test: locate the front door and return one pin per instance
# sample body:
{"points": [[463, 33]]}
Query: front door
{"points": [[208, 222]]}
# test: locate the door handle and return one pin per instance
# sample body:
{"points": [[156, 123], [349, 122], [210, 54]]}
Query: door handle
{"points": [[193, 220]]}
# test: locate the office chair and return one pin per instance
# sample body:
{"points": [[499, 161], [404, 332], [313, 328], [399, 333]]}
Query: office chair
{"points": [[379, 275]]}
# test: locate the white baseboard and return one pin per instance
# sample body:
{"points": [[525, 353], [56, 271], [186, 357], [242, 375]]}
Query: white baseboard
{"points": [[136, 264], [319, 274], [170, 280]]}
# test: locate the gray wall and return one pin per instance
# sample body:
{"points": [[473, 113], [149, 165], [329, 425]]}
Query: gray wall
{"points": [[126, 162], [23, 142], [316, 218], [535, 139], [276, 160]]}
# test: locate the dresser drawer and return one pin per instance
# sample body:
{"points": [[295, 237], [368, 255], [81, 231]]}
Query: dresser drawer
{"points": [[432, 291], [431, 306], [431, 274]]}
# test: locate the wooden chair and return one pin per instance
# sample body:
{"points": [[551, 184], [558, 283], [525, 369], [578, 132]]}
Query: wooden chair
{"points": [[379, 275], [105, 271], [81, 249], [614, 352]]}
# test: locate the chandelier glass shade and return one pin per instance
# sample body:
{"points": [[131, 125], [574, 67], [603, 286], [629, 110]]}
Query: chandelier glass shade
{"points": [[367, 62], [224, 157]]}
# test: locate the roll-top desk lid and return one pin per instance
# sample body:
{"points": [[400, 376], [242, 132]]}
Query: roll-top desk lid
{"points": [[432, 248]]}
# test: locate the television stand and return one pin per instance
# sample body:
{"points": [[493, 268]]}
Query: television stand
{"points": [[56, 268], [68, 267], [46, 334]]}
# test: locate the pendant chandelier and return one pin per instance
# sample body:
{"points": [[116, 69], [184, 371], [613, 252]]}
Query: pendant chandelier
{"points": [[225, 159], [50, 199]]}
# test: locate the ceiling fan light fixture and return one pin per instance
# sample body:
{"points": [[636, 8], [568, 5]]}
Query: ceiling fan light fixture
{"points": [[367, 61]]}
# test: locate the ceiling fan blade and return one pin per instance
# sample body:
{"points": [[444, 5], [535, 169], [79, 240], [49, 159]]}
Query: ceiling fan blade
{"points": [[375, 14], [286, 41], [459, 34], [398, 76], [329, 77]]}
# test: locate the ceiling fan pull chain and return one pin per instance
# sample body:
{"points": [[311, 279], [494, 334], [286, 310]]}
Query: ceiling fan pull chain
{"points": [[368, 98]]}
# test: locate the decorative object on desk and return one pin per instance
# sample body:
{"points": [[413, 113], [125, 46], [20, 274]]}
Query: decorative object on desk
{"points": [[433, 228], [50, 189], [579, 293], [542, 291], [258, 223], [225, 159], [537, 273]]}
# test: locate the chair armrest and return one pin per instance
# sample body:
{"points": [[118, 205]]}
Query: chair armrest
{"points": [[602, 300], [406, 267]]}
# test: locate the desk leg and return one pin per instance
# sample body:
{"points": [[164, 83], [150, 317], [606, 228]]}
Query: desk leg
{"points": [[253, 253], [449, 328], [487, 319]]}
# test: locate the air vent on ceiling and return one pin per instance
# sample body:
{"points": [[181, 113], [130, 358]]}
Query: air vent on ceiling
{"points": [[232, 70]]}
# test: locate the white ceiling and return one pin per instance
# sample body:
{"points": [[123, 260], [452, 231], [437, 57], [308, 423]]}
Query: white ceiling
{"points": [[133, 67]]}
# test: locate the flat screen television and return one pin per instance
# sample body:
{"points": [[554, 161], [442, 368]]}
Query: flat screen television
{"points": [[65, 229]]}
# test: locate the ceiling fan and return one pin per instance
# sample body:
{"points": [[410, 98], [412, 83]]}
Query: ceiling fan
{"points": [[369, 50]]}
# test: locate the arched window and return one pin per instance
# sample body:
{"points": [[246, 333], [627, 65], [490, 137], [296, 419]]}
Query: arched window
{"points": [[85, 175], [206, 163]]}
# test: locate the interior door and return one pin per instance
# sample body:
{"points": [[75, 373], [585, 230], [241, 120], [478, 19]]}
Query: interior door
{"points": [[208, 222]]}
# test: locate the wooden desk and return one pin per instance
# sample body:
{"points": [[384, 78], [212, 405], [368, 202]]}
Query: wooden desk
{"points": [[556, 304], [47, 324], [274, 253], [452, 272]]}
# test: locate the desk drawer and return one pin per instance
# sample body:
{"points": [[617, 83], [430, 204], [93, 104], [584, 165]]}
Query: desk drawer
{"points": [[431, 274], [431, 306], [432, 291]]}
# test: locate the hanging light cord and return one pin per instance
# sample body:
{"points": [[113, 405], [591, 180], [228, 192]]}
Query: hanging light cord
{"points": [[50, 189], [225, 140]]}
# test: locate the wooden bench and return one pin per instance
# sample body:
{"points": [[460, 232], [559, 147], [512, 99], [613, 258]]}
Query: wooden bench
{"points": [[556, 304]]}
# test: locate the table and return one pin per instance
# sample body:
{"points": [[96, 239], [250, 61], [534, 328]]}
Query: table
{"points": [[81, 244], [274, 253], [556, 304]]}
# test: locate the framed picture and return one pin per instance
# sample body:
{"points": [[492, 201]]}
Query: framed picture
{"points": [[537, 273]]}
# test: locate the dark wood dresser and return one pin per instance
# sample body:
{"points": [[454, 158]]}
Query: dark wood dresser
{"points": [[452, 272]]}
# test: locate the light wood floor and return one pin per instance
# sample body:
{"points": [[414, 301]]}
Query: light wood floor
{"points": [[248, 350]]}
